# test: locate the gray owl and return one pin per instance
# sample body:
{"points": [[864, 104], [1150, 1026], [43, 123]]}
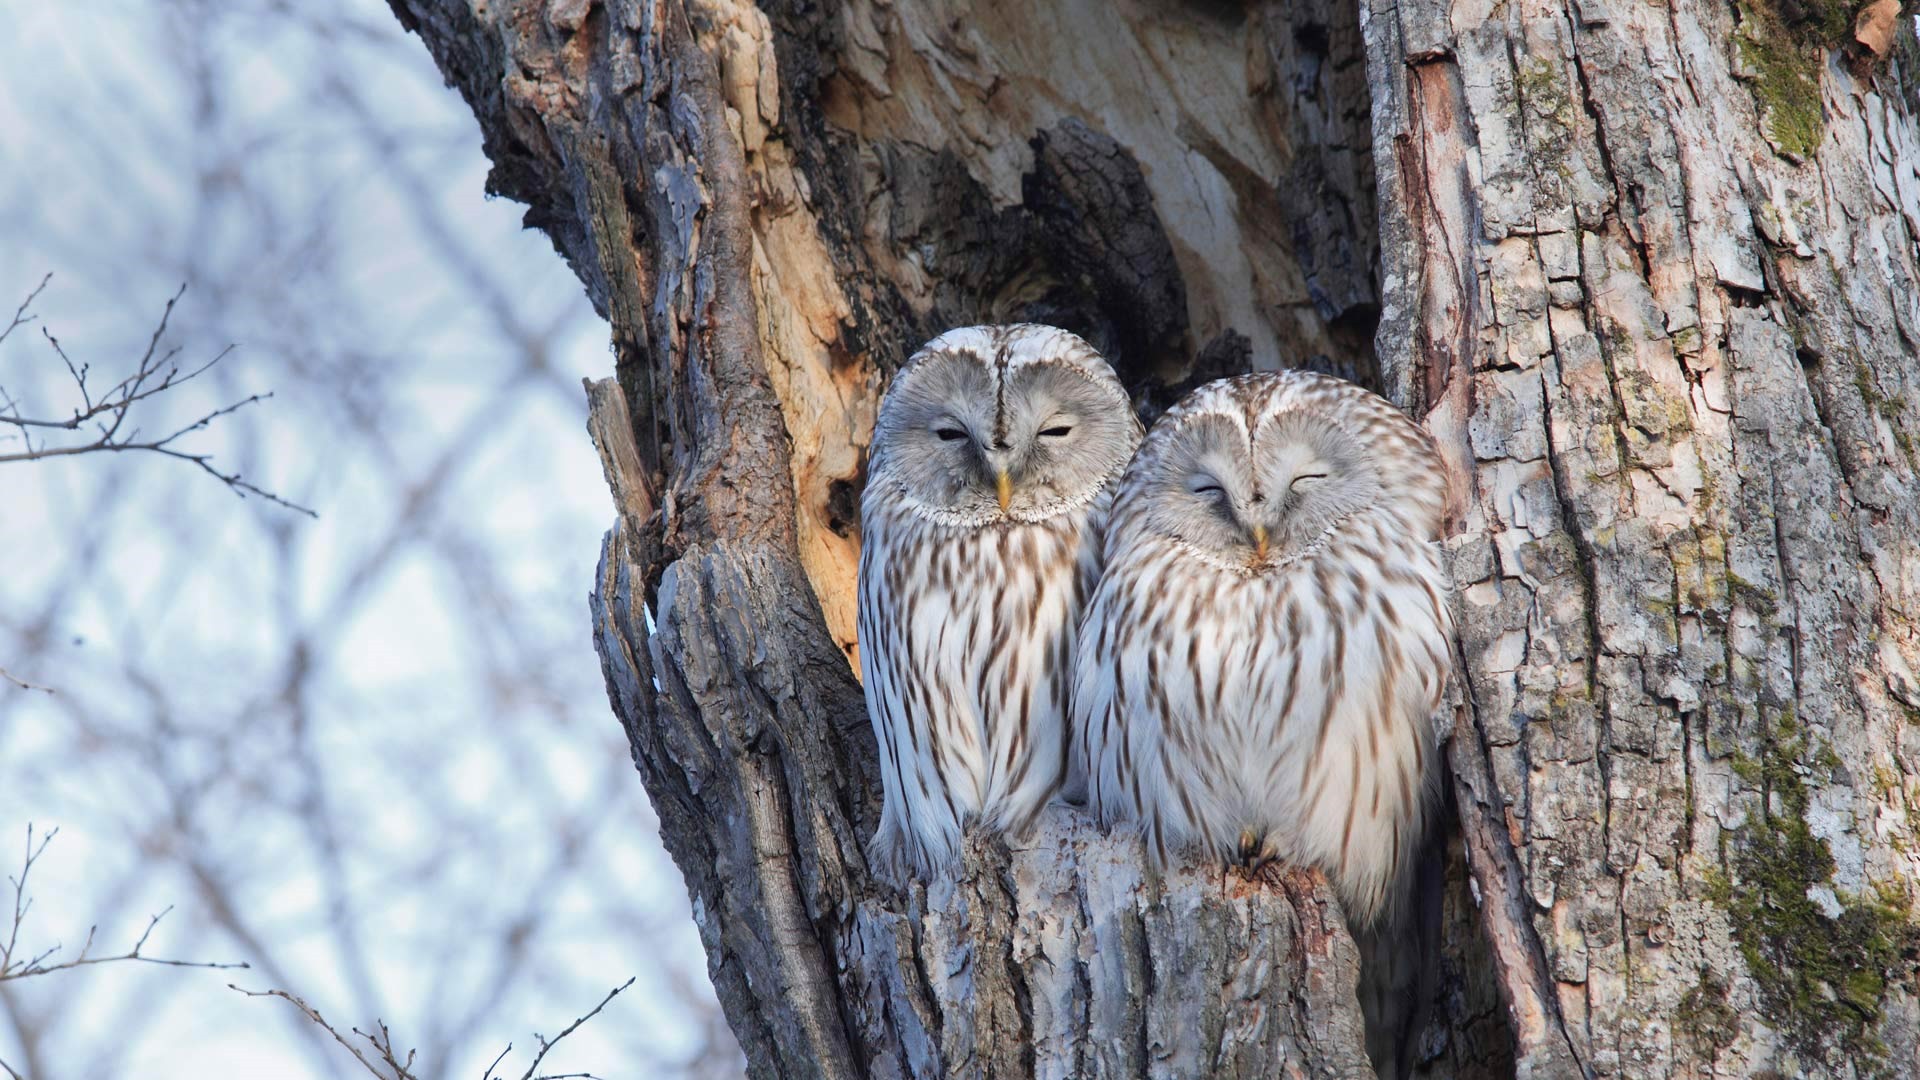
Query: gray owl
{"points": [[1260, 663], [994, 459]]}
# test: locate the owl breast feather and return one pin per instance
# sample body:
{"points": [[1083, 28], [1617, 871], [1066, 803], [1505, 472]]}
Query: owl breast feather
{"points": [[966, 637]]}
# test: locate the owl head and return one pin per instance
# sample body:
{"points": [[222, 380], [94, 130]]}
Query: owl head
{"points": [[1253, 471], [994, 424]]}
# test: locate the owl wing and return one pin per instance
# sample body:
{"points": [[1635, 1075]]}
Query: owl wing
{"points": [[1099, 763], [913, 647], [1139, 675], [882, 682]]}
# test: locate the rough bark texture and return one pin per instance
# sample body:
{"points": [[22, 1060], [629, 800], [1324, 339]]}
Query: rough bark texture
{"points": [[1651, 277], [1647, 271]]}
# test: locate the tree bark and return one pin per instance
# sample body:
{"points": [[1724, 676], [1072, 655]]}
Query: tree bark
{"points": [[1652, 279], [1649, 274]]}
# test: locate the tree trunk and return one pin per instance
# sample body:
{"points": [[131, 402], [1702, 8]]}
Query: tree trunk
{"points": [[1652, 279], [1648, 272]]}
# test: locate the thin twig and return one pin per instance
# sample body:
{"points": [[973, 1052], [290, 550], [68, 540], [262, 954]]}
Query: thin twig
{"points": [[22, 903], [314, 1015], [21, 318], [38, 965], [382, 1042], [545, 1045], [107, 413], [22, 683]]}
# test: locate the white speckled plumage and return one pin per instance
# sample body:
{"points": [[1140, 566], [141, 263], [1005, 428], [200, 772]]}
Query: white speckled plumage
{"points": [[1274, 701], [969, 596]]}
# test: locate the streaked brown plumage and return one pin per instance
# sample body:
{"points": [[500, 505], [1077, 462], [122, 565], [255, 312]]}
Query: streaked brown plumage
{"points": [[994, 459], [1259, 666]]}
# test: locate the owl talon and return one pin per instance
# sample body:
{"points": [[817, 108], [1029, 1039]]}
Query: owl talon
{"points": [[1249, 849]]}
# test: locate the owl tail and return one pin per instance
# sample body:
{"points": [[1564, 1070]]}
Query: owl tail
{"points": [[1400, 963]]}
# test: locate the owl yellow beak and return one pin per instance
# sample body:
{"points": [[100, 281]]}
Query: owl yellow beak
{"points": [[1260, 543], [1003, 486]]}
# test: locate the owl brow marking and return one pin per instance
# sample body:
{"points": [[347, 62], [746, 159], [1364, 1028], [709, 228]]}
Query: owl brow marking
{"points": [[1000, 361], [1248, 411]]}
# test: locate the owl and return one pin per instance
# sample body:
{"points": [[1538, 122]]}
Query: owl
{"points": [[994, 458], [1260, 662]]}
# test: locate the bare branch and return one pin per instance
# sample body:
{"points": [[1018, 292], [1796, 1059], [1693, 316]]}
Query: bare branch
{"points": [[37, 964], [21, 318], [156, 373], [546, 1046], [21, 902], [395, 1068], [384, 1044], [400, 1072]]}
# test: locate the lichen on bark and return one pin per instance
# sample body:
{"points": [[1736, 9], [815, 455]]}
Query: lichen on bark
{"points": [[1783, 44]]}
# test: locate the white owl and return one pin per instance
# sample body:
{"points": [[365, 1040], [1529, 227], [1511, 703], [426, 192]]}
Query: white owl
{"points": [[1261, 661], [994, 459]]}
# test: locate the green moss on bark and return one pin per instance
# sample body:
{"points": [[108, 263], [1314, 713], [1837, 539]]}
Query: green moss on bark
{"points": [[1822, 977], [1783, 44], [1893, 409]]}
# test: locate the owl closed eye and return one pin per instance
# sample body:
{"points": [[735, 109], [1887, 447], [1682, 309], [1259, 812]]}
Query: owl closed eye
{"points": [[974, 440]]}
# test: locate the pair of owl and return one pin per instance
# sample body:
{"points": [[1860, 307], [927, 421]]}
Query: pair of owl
{"points": [[1230, 636]]}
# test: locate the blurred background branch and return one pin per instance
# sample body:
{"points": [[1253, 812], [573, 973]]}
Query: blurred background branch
{"points": [[369, 754], [101, 415], [17, 965], [387, 1062]]}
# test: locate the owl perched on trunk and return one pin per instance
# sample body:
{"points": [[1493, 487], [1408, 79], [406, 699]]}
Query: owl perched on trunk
{"points": [[1258, 668], [994, 459]]}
